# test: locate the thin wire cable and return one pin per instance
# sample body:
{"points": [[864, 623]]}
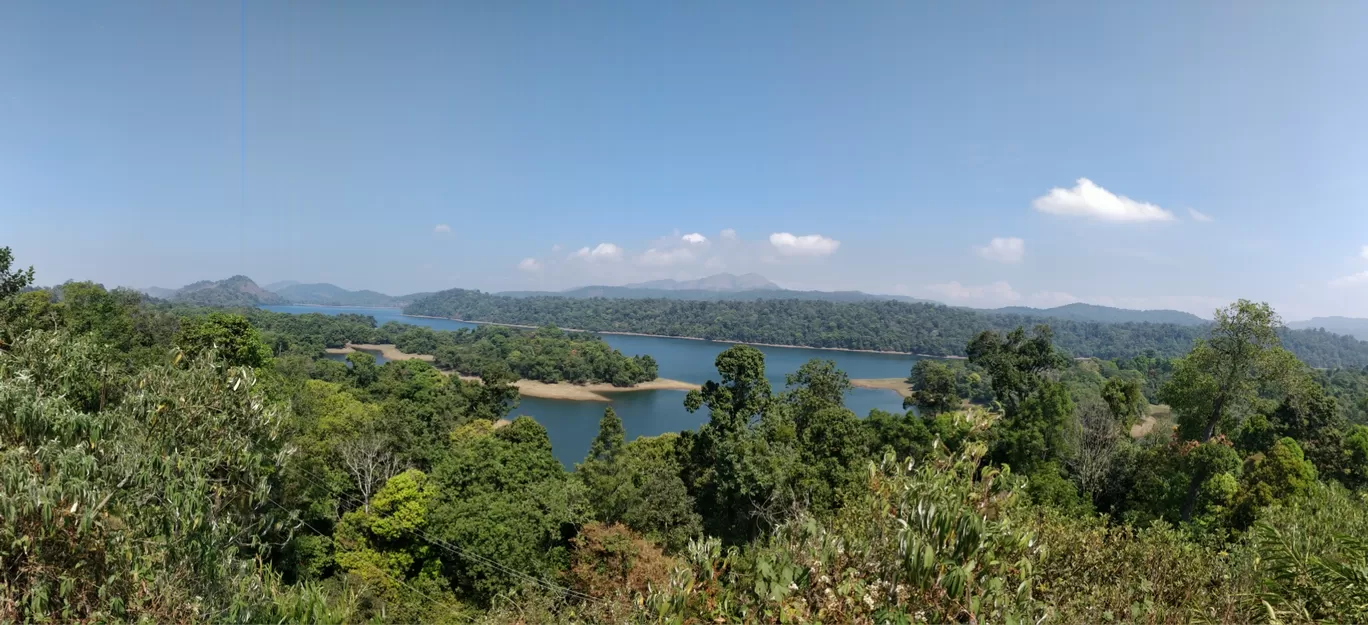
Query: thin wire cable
{"points": [[460, 552]]}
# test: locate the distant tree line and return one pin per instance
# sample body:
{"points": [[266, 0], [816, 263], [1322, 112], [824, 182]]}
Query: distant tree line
{"points": [[882, 325]]}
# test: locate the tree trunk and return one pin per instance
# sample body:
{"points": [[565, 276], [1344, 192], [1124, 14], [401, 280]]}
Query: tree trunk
{"points": [[1190, 502]]}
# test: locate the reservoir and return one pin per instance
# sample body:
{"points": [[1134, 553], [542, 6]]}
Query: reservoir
{"points": [[572, 425]]}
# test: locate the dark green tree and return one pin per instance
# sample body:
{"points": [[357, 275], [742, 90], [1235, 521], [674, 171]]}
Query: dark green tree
{"points": [[12, 280], [935, 388]]}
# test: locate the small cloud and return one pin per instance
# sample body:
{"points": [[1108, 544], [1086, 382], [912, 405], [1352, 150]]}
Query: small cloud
{"points": [[729, 234], [1093, 202], [530, 264], [1200, 216], [556, 248], [442, 229], [694, 238], [1356, 279], [603, 251], [1003, 250], [805, 245], [668, 257], [1364, 252]]}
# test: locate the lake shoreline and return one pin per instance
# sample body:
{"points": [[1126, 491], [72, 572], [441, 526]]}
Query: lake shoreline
{"points": [[695, 338]]}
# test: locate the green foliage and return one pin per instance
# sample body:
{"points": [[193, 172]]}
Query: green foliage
{"points": [[931, 540], [507, 504], [934, 388], [151, 505], [229, 336], [1125, 399], [12, 280]]}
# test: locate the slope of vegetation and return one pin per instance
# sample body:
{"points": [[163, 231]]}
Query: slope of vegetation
{"points": [[165, 464], [234, 291], [891, 326]]}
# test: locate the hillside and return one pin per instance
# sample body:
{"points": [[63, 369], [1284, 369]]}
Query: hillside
{"points": [[1340, 325], [235, 291], [1104, 314], [324, 294]]}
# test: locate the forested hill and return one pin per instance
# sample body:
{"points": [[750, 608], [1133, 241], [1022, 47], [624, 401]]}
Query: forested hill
{"points": [[1105, 314], [880, 325], [1340, 325], [235, 291]]}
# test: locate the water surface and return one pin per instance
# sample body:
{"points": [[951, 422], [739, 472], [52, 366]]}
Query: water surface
{"points": [[573, 424]]}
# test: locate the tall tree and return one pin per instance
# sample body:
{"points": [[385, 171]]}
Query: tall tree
{"points": [[1221, 377], [12, 280]]}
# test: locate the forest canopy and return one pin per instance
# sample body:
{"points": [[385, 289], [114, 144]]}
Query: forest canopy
{"points": [[167, 464], [929, 329]]}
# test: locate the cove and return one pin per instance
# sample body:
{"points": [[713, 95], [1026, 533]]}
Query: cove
{"points": [[572, 425]]}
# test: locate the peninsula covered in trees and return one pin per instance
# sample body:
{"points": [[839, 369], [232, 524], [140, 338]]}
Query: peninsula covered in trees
{"points": [[929, 329], [546, 354]]}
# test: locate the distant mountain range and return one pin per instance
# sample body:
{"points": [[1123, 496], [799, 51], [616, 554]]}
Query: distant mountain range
{"points": [[242, 291], [719, 287], [324, 294], [1357, 328], [1104, 314]]}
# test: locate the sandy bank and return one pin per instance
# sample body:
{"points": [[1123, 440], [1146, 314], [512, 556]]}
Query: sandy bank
{"points": [[898, 385], [588, 392], [390, 352], [697, 338]]}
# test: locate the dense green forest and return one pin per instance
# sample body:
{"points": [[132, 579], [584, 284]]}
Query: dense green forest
{"points": [[170, 464], [889, 326], [546, 354]]}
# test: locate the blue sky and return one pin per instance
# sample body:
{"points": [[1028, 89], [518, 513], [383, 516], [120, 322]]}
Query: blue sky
{"points": [[874, 146]]}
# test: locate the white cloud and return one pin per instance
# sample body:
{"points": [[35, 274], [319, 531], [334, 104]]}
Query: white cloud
{"points": [[986, 294], [556, 247], [729, 234], [1358, 278], [442, 229], [806, 245], [1364, 253], [668, 257], [1091, 201], [1003, 250], [530, 264], [1200, 216], [604, 251], [695, 238]]}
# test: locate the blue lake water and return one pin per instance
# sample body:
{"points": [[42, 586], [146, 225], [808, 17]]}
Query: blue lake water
{"points": [[573, 424]]}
